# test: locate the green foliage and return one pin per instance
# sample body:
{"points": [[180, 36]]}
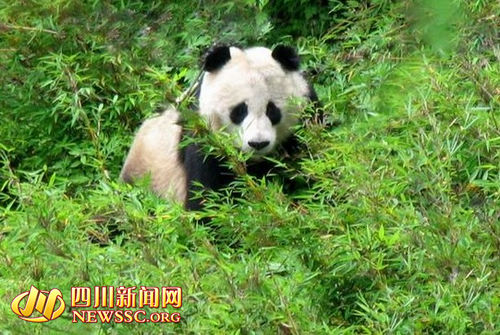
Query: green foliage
{"points": [[397, 232]]}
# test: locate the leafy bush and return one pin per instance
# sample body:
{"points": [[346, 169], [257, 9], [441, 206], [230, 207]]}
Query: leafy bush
{"points": [[398, 232]]}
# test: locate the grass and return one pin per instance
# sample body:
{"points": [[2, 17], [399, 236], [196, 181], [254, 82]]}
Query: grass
{"points": [[398, 232]]}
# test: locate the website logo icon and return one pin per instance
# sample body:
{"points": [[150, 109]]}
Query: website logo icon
{"points": [[49, 304]]}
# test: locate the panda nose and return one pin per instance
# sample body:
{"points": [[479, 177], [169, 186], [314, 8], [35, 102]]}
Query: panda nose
{"points": [[258, 145]]}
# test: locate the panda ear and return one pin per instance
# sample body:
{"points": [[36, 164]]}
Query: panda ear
{"points": [[287, 57], [216, 58]]}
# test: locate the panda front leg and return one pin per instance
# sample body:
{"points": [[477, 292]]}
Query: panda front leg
{"points": [[208, 171]]}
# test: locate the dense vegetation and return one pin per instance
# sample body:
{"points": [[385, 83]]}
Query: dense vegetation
{"points": [[398, 232]]}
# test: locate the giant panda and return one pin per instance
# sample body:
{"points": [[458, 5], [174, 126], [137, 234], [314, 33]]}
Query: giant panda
{"points": [[249, 93]]}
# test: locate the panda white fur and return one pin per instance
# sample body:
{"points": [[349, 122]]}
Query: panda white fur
{"points": [[246, 92]]}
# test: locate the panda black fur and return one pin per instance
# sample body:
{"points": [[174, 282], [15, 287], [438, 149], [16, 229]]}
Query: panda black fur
{"points": [[245, 92]]}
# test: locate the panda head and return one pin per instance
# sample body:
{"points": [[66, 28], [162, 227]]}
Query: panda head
{"points": [[254, 93]]}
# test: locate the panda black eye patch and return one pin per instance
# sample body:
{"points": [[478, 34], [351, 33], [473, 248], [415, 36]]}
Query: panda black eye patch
{"points": [[273, 113], [238, 113]]}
